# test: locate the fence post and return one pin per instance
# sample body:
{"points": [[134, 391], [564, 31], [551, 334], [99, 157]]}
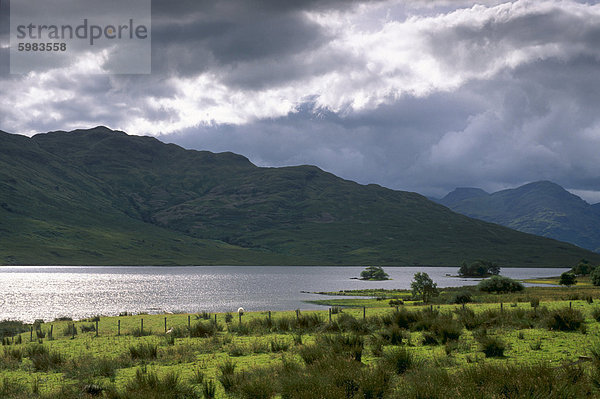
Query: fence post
{"points": [[570, 305], [215, 318], [165, 324], [51, 330], [269, 316], [501, 307], [240, 317], [330, 315], [364, 312], [142, 328], [297, 314], [119, 327], [73, 331], [96, 328], [31, 334], [189, 322], [463, 306]]}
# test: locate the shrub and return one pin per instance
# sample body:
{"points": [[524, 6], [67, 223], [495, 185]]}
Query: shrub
{"points": [[500, 284], [143, 351], [392, 335], [42, 359], [208, 389], [396, 302], [462, 297], [203, 329], [228, 317], [279, 345], [492, 346], [596, 314], [150, 386], [565, 319], [399, 360], [87, 328], [138, 332], [534, 302], [595, 276]]}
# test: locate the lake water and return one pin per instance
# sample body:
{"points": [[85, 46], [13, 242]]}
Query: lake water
{"points": [[31, 292]]}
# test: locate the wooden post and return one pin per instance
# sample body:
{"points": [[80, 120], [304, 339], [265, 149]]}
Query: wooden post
{"points": [[396, 308], [240, 317], [364, 312], [570, 305], [73, 331], [330, 315], [31, 334], [463, 306], [51, 329], [142, 328], [165, 324], [215, 318], [96, 328], [501, 307], [269, 316], [297, 314], [189, 322], [118, 327], [431, 308]]}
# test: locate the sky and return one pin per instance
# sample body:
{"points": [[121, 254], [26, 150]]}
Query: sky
{"points": [[415, 95]]}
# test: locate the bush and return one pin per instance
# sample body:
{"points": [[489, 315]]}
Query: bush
{"points": [[396, 302], [565, 319], [203, 329], [150, 386], [143, 351], [399, 360], [500, 284], [462, 297], [492, 346], [595, 276]]}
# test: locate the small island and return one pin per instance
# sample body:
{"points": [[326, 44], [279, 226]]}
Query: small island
{"points": [[374, 273], [479, 268]]}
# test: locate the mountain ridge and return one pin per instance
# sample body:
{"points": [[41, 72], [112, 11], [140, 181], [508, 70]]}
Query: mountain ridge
{"points": [[543, 208], [98, 196]]}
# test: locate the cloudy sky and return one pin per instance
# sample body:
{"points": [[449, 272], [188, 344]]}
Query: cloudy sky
{"points": [[417, 95]]}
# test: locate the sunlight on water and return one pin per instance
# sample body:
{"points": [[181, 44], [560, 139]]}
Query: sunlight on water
{"points": [[29, 293]]}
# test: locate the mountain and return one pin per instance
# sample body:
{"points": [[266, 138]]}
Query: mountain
{"points": [[543, 208], [106, 198]]}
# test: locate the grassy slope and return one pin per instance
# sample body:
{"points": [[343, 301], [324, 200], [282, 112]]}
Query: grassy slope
{"points": [[102, 197]]}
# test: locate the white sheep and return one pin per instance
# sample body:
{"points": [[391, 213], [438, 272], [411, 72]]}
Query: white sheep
{"points": [[240, 311]]}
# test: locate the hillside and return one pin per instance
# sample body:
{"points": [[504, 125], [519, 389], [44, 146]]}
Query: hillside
{"points": [[102, 197], [541, 208]]}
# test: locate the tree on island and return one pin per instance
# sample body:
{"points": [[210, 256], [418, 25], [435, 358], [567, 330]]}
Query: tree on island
{"points": [[479, 268], [567, 279], [423, 287], [375, 273]]}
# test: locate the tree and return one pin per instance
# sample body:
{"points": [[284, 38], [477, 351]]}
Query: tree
{"points": [[567, 279], [479, 268], [500, 284], [423, 287], [374, 273], [595, 276], [583, 268]]}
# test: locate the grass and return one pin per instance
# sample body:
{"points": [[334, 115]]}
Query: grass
{"points": [[443, 351]]}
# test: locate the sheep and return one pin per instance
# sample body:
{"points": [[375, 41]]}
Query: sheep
{"points": [[240, 311]]}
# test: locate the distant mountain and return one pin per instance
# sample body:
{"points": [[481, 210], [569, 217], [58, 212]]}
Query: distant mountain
{"points": [[102, 197], [543, 208]]}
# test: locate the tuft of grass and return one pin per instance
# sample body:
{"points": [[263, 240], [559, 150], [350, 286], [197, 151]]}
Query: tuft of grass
{"points": [[492, 346], [399, 360], [143, 351]]}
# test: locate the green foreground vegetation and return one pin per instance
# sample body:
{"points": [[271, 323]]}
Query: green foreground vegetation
{"points": [[540, 342]]}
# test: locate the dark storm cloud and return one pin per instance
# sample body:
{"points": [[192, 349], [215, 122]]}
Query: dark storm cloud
{"points": [[414, 95]]}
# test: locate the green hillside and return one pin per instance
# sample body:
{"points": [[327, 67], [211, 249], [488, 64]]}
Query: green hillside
{"points": [[102, 197], [543, 208]]}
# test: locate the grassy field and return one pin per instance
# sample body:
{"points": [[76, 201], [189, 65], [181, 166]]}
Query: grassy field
{"points": [[510, 347]]}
